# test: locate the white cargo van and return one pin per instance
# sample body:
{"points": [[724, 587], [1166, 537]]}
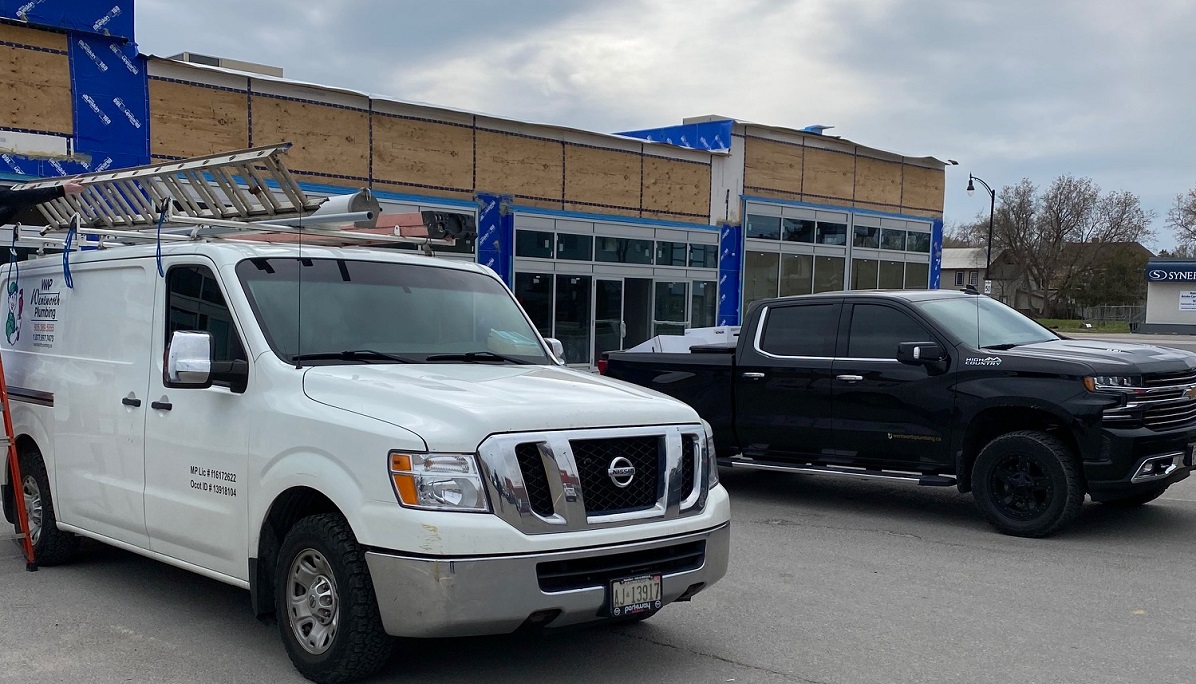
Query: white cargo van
{"points": [[372, 443]]}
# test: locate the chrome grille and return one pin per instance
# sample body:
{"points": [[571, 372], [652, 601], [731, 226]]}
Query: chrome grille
{"points": [[1164, 379], [601, 494], [1166, 415], [535, 478], [1162, 403], [689, 463]]}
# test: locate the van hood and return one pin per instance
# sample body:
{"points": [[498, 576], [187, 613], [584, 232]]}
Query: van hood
{"points": [[1108, 358], [454, 407]]}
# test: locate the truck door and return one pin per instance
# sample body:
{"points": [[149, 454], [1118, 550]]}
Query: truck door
{"points": [[196, 440], [783, 382], [888, 413]]}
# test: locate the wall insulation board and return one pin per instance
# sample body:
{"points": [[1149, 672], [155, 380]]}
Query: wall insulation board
{"points": [[423, 153], [829, 175], [677, 187], [38, 96], [922, 189], [32, 37], [773, 165], [326, 139], [526, 167], [191, 120], [607, 178], [878, 181]]}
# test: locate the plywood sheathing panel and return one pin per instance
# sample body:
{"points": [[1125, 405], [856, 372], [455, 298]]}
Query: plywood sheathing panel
{"points": [[349, 184], [605, 177], [877, 181], [328, 139], [829, 175], [38, 86], [511, 164], [890, 208], [604, 209], [666, 216], [191, 121], [29, 36], [420, 190], [775, 165], [423, 153], [922, 188], [929, 213], [676, 187]]}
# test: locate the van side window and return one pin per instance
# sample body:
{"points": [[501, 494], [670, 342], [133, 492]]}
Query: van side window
{"points": [[877, 330], [808, 330], [194, 303]]}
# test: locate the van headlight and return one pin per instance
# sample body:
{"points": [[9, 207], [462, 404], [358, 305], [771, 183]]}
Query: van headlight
{"points": [[438, 482]]}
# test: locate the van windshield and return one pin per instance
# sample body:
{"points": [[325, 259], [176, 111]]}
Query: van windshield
{"points": [[351, 311], [985, 323]]}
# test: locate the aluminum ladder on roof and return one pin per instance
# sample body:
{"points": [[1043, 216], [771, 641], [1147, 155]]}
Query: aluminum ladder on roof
{"points": [[242, 185]]}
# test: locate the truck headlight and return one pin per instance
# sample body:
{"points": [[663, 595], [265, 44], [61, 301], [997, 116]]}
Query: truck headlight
{"points": [[1110, 382], [711, 462], [439, 482]]}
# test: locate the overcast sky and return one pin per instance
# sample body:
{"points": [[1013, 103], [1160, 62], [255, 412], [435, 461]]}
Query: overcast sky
{"points": [[1009, 88]]}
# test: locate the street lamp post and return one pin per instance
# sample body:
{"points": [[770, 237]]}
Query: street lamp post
{"points": [[992, 205]]}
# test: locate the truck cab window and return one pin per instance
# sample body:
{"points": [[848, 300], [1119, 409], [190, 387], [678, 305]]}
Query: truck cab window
{"points": [[194, 302], [808, 330], [877, 330]]}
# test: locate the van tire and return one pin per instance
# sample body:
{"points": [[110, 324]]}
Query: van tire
{"points": [[1026, 483], [340, 594], [51, 545]]}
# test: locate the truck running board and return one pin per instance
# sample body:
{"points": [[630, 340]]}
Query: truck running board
{"points": [[840, 471]]}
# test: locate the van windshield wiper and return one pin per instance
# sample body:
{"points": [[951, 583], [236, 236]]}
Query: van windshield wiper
{"points": [[352, 355], [478, 357]]}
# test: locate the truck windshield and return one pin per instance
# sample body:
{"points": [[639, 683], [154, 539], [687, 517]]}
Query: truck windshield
{"points": [[351, 311], [985, 323]]}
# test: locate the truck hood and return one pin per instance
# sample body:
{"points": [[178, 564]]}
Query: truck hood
{"points": [[454, 407], [1106, 358]]}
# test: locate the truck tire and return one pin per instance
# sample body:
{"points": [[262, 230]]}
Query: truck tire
{"points": [[1139, 499], [325, 604], [51, 546], [1026, 484]]}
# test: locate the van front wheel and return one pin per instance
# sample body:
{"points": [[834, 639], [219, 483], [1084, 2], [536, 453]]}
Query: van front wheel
{"points": [[51, 546], [324, 600]]}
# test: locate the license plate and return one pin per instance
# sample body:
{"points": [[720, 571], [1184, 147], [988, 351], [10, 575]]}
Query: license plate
{"points": [[635, 595]]}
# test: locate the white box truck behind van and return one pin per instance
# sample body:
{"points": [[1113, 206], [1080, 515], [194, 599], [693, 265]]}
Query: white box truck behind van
{"points": [[372, 443]]}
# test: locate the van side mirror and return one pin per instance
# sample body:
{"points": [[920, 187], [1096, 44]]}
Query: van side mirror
{"points": [[919, 353], [189, 361], [558, 349]]}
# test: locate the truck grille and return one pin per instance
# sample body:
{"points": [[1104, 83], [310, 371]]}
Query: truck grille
{"points": [[1163, 406], [689, 451], [597, 571], [535, 479], [601, 494]]}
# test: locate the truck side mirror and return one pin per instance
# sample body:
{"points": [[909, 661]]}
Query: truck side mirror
{"points": [[189, 360], [919, 353]]}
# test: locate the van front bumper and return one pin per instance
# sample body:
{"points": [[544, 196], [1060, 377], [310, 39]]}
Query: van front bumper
{"points": [[470, 596]]}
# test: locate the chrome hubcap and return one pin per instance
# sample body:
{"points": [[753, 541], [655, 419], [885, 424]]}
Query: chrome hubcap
{"points": [[314, 603], [33, 508]]}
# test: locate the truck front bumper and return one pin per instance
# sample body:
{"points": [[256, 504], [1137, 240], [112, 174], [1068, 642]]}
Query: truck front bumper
{"points": [[1139, 461], [469, 596]]}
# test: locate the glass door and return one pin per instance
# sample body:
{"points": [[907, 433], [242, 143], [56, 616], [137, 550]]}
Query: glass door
{"points": [[572, 319], [608, 316]]}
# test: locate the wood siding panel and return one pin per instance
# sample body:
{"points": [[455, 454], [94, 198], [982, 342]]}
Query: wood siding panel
{"points": [[605, 177], [38, 90], [520, 166], [30, 36], [829, 175], [191, 121], [677, 187], [326, 139], [773, 165], [877, 181], [422, 152], [923, 189]]}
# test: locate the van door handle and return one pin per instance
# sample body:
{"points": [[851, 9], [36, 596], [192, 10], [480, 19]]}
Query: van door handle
{"points": [[753, 376], [849, 378], [161, 405], [131, 401]]}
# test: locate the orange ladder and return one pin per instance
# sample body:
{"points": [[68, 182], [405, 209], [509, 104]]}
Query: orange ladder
{"points": [[18, 484]]}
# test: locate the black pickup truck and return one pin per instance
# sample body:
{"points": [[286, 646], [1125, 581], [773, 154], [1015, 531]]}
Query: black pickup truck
{"points": [[940, 388]]}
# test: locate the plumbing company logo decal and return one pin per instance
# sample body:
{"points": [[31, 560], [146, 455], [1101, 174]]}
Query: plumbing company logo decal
{"points": [[45, 301], [16, 309]]}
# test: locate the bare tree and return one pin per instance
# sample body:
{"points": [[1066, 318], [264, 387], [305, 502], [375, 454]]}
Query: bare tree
{"points": [[1182, 217], [1057, 237]]}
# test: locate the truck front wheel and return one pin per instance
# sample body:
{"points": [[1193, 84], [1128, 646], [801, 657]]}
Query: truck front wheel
{"points": [[1026, 484], [324, 599]]}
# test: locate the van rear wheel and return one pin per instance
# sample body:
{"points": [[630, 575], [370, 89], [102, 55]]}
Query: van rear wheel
{"points": [[324, 599], [51, 546]]}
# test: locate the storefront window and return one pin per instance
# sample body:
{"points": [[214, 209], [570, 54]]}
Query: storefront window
{"points": [[764, 227], [702, 304], [832, 233], [669, 312], [573, 317], [799, 230], [867, 236], [670, 253], [624, 251], [534, 292], [864, 274], [892, 239], [797, 272], [703, 256], [892, 275], [918, 242], [533, 243], [917, 276], [828, 273], [575, 247], [760, 275]]}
